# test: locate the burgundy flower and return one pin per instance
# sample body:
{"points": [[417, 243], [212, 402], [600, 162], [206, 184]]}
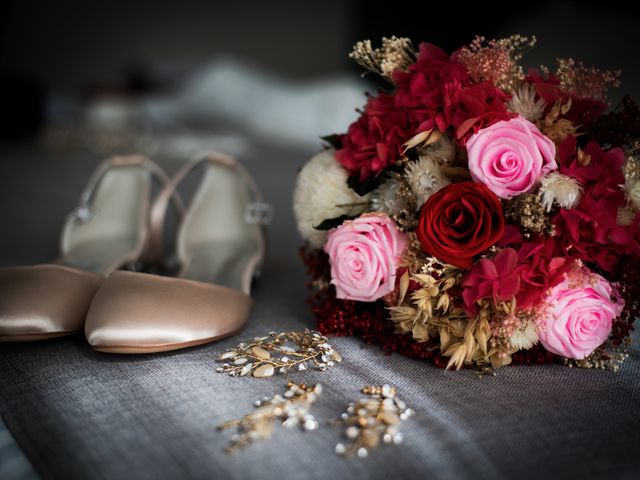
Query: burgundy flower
{"points": [[539, 269], [496, 278], [590, 231], [583, 111], [525, 274], [374, 141], [603, 167], [439, 93]]}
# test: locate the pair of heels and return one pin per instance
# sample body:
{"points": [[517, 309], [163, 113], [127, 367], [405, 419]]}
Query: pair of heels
{"points": [[220, 246]]}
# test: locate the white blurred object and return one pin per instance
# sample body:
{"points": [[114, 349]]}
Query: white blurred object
{"points": [[267, 105]]}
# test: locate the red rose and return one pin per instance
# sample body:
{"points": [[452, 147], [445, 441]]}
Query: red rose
{"points": [[460, 221], [374, 141]]}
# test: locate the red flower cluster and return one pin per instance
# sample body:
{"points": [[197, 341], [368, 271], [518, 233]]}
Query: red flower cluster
{"points": [[583, 111], [436, 92], [440, 94], [375, 140], [591, 231], [525, 274], [568, 228]]}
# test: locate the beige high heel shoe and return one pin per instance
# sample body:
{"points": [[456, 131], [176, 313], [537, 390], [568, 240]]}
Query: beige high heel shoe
{"points": [[107, 231], [221, 245]]}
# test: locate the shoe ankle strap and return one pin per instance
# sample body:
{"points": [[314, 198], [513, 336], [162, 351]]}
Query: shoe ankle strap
{"points": [[257, 211], [83, 212]]}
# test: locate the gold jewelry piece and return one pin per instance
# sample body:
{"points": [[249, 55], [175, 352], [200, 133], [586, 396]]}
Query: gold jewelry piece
{"points": [[279, 352], [372, 420], [292, 409]]}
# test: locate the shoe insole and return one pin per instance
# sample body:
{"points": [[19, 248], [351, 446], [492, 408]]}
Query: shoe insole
{"points": [[222, 262], [215, 240], [116, 231]]}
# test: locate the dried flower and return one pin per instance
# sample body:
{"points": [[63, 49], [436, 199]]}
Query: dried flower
{"points": [[524, 102], [524, 337], [434, 144], [425, 178], [391, 197], [396, 198], [584, 81], [633, 193], [561, 189], [555, 126], [396, 53], [321, 192], [602, 358], [625, 216], [428, 309], [528, 210], [631, 171], [496, 60], [443, 150], [472, 345]]}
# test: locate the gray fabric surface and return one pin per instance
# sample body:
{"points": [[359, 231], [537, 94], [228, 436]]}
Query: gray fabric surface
{"points": [[13, 464], [81, 414]]}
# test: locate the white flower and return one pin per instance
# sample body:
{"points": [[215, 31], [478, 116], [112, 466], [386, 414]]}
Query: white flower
{"points": [[425, 177], [524, 337], [321, 193], [523, 102], [556, 187], [387, 199]]}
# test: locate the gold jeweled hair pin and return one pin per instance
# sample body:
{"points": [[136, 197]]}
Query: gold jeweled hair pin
{"points": [[292, 408], [373, 420], [279, 353]]}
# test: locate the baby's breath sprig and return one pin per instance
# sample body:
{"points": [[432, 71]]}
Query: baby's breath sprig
{"points": [[396, 53]]}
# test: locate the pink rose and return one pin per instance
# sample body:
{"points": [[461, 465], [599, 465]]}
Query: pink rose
{"points": [[510, 156], [364, 254], [579, 314]]}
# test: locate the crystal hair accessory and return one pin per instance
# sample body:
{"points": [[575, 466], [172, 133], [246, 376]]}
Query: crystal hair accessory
{"points": [[292, 409], [373, 420], [279, 353], [478, 214]]}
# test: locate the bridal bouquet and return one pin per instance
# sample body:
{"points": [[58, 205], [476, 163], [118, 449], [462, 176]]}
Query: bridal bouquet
{"points": [[478, 215]]}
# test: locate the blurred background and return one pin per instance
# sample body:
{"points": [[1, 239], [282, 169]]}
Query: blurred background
{"points": [[57, 56]]}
